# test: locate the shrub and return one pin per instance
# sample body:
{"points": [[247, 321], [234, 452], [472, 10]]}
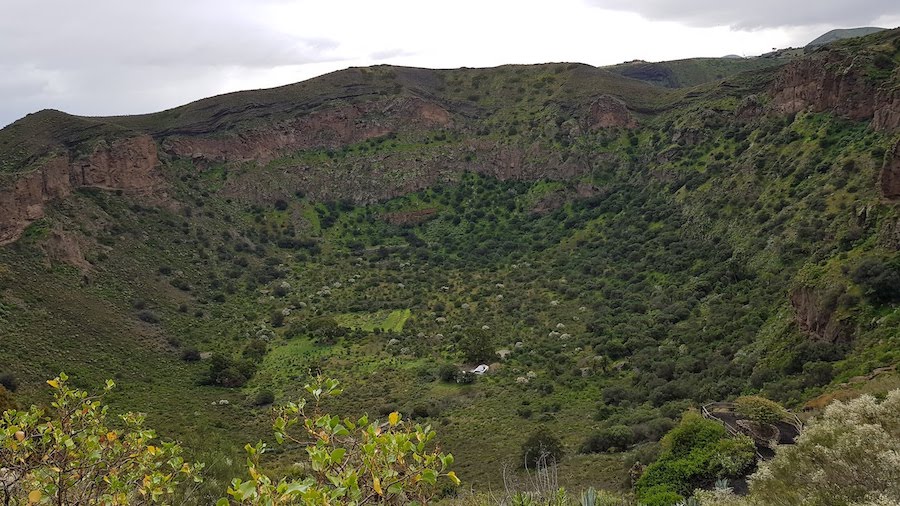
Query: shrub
{"points": [[190, 355], [541, 445], [8, 381], [879, 278], [660, 495], [325, 330], [694, 454], [847, 456], [615, 438], [227, 372], [759, 409], [7, 401], [476, 346], [264, 397], [148, 316], [447, 373], [255, 350], [354, 462], [72, 455], [277, 318]]}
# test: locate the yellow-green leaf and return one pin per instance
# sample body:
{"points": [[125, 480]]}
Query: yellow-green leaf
{"points": [[34, 496], [53, 383], [453, 478], [376, 484], [394, 418]]}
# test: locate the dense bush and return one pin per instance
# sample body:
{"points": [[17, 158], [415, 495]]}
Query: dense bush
{"points": [[277, 318], [541, 445], [880, 279], [264, 397], [695, 454], [9, 381], [148, 316], [190, 355], [228, 372], [7, 401], [255, 350], [447, 373], [615, 438], [759, 409], [324, 330], [476, 346]]}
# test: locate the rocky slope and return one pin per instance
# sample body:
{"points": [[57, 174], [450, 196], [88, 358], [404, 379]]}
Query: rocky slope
{"points": [[130, 165]]}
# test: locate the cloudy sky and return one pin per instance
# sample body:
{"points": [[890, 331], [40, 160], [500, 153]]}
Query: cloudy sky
{"points": [[104, 57]]}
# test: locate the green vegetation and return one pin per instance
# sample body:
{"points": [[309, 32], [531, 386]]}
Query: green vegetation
{"points": [[610, 277], [369, 322], [694, 455], [759, 409], [73, 455], [692, 71]]}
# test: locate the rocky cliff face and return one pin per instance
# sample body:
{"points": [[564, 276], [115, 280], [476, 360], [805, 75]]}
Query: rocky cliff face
{"points": [[332, 128], [887, 115], [129, 164], [890, 174], [816, 317], [609, 112], [836, 83]]}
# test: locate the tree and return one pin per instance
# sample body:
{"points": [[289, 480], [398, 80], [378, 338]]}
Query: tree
{"points": [[541, 445], [879, 278], [351, 462], [70, 455], [476, 346]]}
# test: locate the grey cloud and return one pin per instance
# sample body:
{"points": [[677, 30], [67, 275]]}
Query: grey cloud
{"points": [[389, 53], [759, 14], [115, 56]]}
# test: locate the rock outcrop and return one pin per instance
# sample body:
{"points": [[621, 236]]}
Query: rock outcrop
{"points": [[839, 84], [609, 112], [890, 174], [887, 114], [826, 83], [331, 128], [129, 164], [816, 317]]}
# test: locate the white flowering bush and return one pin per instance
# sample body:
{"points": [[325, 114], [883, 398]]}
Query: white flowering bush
{"points": [[848, 457]]}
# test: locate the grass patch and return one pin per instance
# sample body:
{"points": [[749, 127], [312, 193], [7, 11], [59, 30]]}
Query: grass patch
{"points": [[392, 321]]}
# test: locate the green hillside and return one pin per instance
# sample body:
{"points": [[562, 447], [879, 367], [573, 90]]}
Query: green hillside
{"points": [[692, 71], [616, 252]]}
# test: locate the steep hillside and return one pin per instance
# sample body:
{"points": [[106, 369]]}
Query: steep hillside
{"points": [[615, 251]]}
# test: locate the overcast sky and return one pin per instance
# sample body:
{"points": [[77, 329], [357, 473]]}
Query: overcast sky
{"points": [[105, 57]]}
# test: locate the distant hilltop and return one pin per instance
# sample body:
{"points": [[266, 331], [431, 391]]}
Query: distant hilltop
{"points": [[844, 33]]}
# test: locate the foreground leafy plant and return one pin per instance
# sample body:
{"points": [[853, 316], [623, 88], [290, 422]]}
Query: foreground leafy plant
{"points": [[69, 455], [350, 462]]}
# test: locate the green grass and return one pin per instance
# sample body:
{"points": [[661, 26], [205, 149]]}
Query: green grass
{"points": [[389, 322]]}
